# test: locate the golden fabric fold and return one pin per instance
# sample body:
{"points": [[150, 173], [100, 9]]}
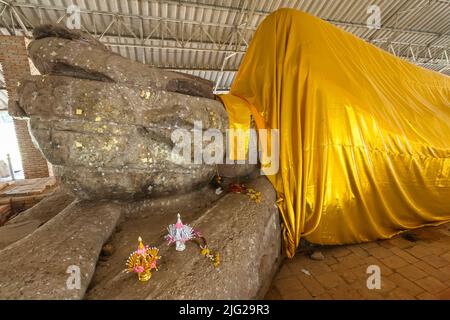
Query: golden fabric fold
{"points": [[364, 136]]}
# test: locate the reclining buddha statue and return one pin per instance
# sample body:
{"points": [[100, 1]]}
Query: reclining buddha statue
{"points": [[364, 137]]}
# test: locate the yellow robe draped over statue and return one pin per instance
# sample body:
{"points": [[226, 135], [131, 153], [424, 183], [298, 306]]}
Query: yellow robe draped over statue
{"points": [[364, 136]]}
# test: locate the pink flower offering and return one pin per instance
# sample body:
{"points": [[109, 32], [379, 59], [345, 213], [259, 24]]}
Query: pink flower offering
{"points": [[179, 234], [139, 269], [141, 251]]}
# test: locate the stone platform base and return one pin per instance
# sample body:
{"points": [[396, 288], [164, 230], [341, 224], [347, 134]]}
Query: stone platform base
{"points": [[245, 233]]}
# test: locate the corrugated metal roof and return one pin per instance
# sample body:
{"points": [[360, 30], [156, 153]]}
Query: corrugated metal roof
{"points": [[209, 37]]}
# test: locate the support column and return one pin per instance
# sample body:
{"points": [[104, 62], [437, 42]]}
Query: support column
{"points": [[16, 65]]}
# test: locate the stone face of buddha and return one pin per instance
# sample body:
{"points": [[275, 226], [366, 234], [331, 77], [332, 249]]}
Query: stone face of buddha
{"points": [[105, 122]]}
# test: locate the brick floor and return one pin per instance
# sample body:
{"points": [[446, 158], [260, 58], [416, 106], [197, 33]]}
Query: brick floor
{"points": [[415, 267]]}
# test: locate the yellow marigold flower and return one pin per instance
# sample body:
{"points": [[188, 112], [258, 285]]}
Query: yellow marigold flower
{"points": [[205, 251]]}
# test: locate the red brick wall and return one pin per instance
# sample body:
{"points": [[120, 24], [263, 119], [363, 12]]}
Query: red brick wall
{"points": [[15, 64], [33, 163]]}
